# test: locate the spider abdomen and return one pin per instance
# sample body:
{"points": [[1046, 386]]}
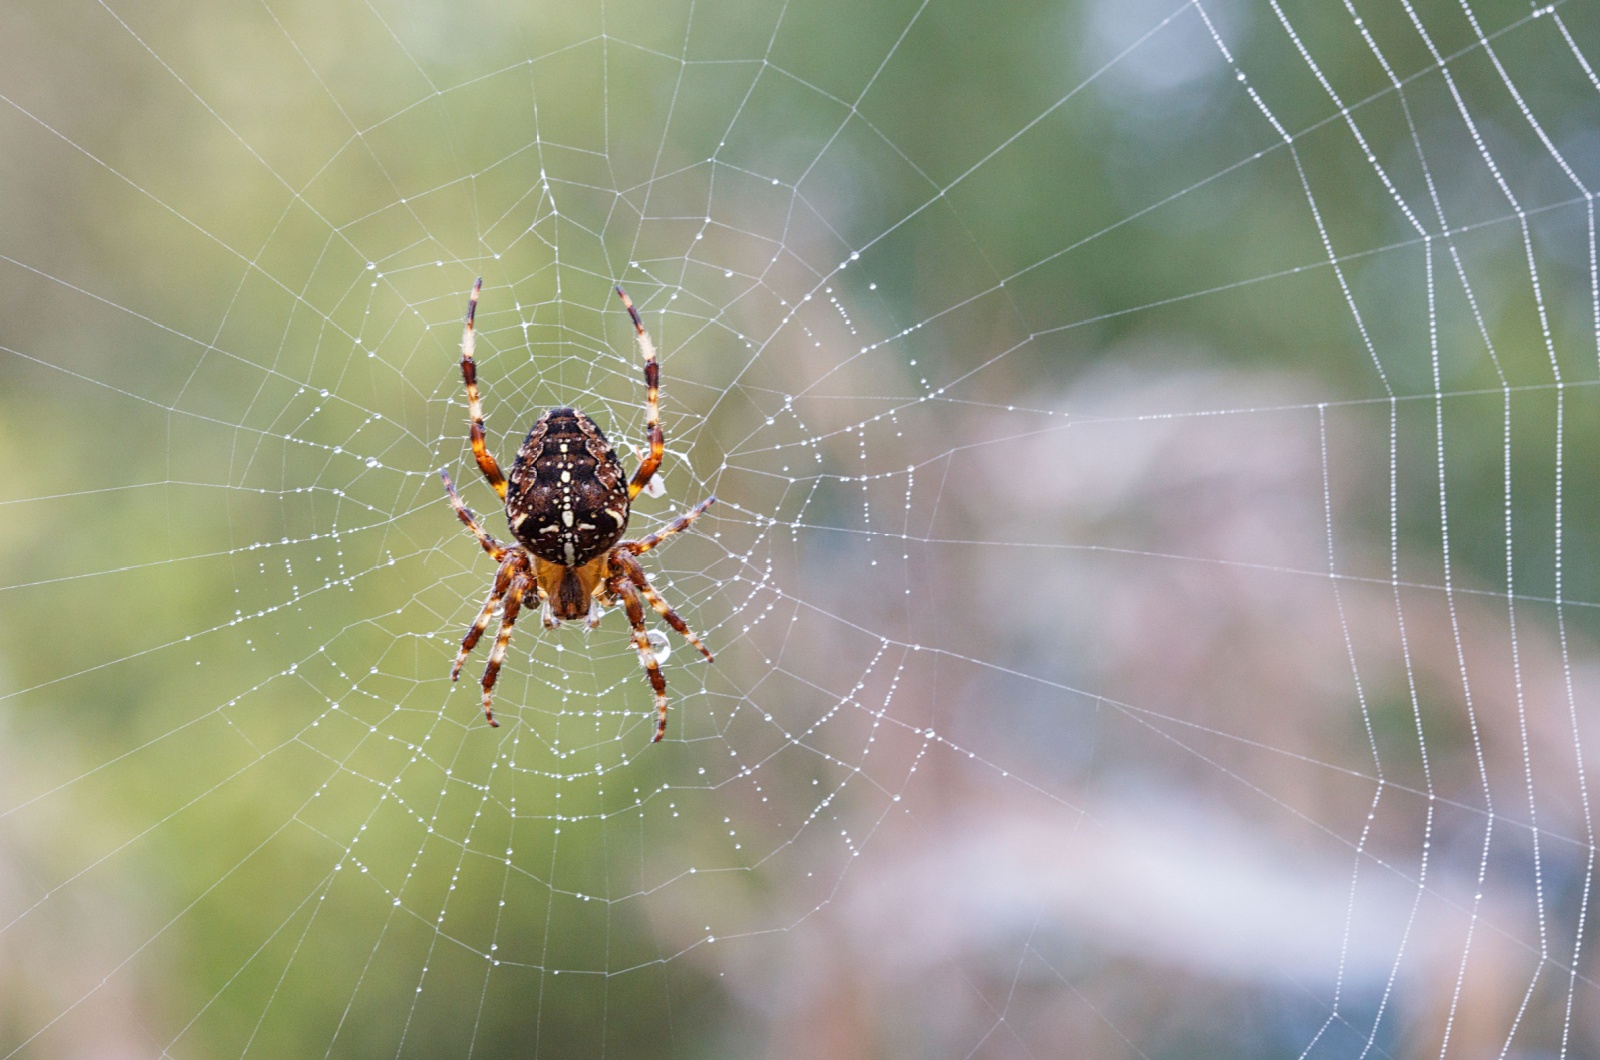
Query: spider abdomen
{"points": [[566, 495]]}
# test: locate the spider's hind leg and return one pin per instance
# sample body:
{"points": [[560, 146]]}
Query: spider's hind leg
{"points": [[651, 461], [490, 545], [469, 375], [677, 526]]}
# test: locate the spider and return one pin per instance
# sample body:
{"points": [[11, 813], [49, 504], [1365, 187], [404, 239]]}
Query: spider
{"points": [[567, 502]]}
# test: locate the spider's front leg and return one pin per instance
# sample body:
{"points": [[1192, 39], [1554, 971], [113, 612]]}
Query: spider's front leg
{"points": [[629, 583], [635, 573], [622, 586], [520, 581], [502, 582]]}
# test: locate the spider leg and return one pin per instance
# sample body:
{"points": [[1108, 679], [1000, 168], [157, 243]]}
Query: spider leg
{"points": [[677, 526], [652, 406], [490, 545], [469, 373], [547, 614], [624, 559], [513, 604], [622, 585], [502, 581]]}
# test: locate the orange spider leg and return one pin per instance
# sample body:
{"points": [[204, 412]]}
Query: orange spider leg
{"points": [[469, 373], [490, 545], [502, 581], [677, 526], [622, 586], [513, 604], [636, 575], [652, 407]]}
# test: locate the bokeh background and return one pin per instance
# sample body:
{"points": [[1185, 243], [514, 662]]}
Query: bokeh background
{"points": [[1152, 581]]}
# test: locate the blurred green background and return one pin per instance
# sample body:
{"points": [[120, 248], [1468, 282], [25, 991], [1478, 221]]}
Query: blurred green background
{"points": [[1150, 582]]}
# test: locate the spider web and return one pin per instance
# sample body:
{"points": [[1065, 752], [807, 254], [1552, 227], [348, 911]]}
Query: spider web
{"points": [[1149, 579]]}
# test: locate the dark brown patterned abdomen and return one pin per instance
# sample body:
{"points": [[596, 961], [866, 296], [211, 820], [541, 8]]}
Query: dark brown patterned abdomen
{"points": [[567, 497]]}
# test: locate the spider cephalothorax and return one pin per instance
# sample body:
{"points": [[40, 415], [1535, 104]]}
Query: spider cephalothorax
{"points": [[567, 501]]}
